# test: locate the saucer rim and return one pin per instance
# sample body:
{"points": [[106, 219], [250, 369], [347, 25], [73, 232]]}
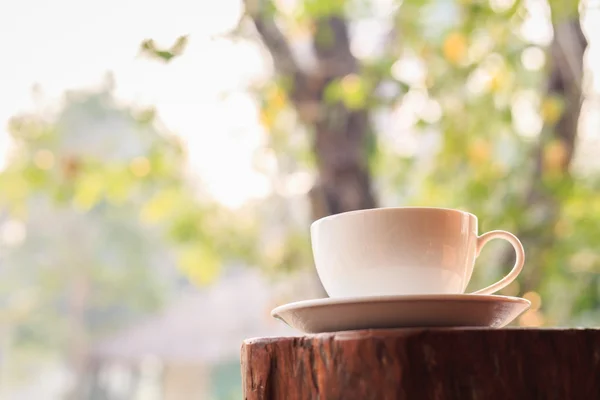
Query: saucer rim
{"points": [[331, 301]]}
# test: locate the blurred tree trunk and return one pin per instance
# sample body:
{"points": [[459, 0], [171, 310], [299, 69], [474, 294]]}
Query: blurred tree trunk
{"points": [[556, 147], [79, 351], [78, 299], [341, 134]]}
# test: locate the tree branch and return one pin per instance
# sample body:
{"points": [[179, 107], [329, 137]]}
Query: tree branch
{"points": [[565, 80], [283, 58], [331, 45]]}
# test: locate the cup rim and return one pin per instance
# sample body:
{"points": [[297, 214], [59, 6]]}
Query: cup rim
{"points": [[388, 209]]}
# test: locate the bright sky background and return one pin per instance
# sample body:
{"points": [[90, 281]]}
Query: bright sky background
{"points": [[72, 44]]}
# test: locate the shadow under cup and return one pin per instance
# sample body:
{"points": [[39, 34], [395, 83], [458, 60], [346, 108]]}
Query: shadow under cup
{"points": [[395, 251]]}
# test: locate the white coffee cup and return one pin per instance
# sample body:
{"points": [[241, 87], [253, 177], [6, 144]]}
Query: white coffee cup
{"points": [[402, 251]]}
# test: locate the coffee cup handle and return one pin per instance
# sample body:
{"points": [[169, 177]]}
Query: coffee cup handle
{"points": [[516, 270]]}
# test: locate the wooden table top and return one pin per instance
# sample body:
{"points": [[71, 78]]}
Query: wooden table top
{"points": [[425, 364]]}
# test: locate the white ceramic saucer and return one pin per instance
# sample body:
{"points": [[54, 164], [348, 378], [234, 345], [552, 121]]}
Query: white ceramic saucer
{"points": [[457, 310]]}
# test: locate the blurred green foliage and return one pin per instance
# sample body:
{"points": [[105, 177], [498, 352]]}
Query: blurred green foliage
{"points": [[100, 224], [445, 88]]}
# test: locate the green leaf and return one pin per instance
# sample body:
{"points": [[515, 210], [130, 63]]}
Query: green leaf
{"points": [[323, 8], [149, 48]]}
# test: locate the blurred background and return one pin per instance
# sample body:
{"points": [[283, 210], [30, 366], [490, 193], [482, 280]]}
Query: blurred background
{"points": [[161, 163]]}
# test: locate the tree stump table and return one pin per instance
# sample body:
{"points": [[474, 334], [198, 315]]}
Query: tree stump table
{"points": [[415, 364]]}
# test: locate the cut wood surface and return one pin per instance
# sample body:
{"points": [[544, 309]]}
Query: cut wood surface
{"points": [[460, 364]]}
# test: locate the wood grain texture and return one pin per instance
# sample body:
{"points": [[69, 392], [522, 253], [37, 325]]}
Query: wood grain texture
{"points": [[460, 364]]}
